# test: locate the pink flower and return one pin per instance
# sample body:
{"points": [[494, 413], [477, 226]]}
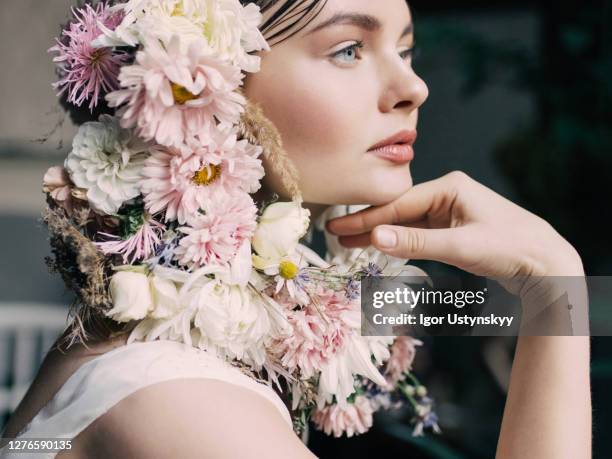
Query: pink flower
{"points": [[354, 419], [57, 183], [402, 355], [139, 246], [214, 237], [174, 97], [320, 330], [182, 181], [87, 71]]}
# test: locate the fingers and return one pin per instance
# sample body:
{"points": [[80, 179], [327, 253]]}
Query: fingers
{"points": [[364, 239], [412, 206], [443, 245]]}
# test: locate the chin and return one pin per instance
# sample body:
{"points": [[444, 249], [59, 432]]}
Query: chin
{"points": [[376, 193], [388, 186]]}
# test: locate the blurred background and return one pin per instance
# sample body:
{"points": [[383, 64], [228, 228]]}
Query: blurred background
{"points": [[520, 99]]}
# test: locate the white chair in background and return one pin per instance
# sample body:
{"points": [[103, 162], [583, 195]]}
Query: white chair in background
{"points": [[27, 331]]}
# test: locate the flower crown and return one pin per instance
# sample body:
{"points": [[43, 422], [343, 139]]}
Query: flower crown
{"points": [[153, 225]]}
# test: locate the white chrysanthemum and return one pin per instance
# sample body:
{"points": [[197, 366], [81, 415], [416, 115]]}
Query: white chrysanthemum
{"points": [[233, 320], [107, 161], [220, 314], [230, 29]]}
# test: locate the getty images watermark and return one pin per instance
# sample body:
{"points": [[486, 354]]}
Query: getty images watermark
{"points": [[471, 305]]}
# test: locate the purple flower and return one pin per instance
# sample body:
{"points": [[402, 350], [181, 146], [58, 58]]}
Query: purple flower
{"points": [[352, 291], [87, 73], [164, 253], [372, 270], [425, 417]]}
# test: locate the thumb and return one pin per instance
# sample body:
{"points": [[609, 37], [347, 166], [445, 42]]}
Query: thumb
{"points": [[418, 243]]}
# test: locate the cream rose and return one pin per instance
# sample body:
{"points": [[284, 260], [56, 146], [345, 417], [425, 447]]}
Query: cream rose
{"points": [[131, 296], [278, 232], [165, 297]]}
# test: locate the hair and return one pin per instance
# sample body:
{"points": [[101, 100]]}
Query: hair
{"points": [[291, 17]]}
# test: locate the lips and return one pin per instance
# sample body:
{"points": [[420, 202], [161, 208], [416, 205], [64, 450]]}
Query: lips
{"points": [[401, 137], [397, 148]]}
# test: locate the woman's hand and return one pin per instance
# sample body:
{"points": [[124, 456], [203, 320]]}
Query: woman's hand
{"points": [[458, 221]]}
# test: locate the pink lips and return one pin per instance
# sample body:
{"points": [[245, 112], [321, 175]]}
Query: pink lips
{"points": [[397, 148]]}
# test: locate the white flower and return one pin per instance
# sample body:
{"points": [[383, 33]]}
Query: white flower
{"points": [[131, 296], [241, 267], [107, 161], [288, 273], [278, 232], [338, 373], [230, 29], [234, 320], [379, 347], [164, 295]]}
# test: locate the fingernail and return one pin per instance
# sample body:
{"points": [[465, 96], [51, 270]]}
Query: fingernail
{"points": [[386, 238]]}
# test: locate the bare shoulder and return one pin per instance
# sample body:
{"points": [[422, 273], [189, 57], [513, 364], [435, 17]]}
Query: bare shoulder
{"points": [[193, 418], [55, 369]]}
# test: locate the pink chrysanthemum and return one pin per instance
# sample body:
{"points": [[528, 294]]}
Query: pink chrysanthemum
{"points": [[182, 181], [354, 419], [403, 351], [320, 329], [214, 237], [139, 246], [87, 73], [174, 97]]}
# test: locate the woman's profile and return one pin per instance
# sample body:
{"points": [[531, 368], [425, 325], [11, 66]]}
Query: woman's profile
{"points": [[338, 86]]}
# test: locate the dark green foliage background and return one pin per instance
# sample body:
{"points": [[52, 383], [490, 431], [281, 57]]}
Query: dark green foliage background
{"points": [[558, 164]]}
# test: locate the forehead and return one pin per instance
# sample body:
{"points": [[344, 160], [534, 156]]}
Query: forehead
{"points": [[306, 17], [367, 14], [385, 10]]}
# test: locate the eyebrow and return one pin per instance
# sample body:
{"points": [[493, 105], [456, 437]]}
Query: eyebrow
{"points": [[363, 21]]}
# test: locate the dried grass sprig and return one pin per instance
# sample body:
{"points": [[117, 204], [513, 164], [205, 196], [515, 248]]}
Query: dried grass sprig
{"points": [[259, 130]]}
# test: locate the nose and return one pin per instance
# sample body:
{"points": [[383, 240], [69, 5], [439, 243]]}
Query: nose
{"points": [[403, 88]]}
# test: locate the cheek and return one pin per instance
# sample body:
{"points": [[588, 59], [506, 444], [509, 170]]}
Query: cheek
{"points": [[316, 120]]}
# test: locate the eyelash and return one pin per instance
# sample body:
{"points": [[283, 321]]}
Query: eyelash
{"points": [[410, 52]]}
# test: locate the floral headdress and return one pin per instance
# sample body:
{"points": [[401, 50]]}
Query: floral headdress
{"points": [[154, 228]]}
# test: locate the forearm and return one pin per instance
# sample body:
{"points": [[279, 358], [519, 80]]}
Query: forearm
{"points": [[548, 409]]}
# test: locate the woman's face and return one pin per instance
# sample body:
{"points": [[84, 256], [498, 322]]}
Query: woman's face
{"points": [[332, 100]]}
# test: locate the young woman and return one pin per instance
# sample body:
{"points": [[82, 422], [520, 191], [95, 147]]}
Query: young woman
{"points": [[338, 83]]}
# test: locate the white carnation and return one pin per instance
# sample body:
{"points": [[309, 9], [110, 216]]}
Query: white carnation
{"points": [[107, 161]]}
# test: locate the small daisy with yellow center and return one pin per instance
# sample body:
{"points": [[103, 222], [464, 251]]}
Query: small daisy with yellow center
{"points": [[289, 273]]}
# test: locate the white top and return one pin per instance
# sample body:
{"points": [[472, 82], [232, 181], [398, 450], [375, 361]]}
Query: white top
{"points": [[99, 384]]}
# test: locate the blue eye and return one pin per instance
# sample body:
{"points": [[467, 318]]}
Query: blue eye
{"points": [[351, 52], [352, 49]]}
